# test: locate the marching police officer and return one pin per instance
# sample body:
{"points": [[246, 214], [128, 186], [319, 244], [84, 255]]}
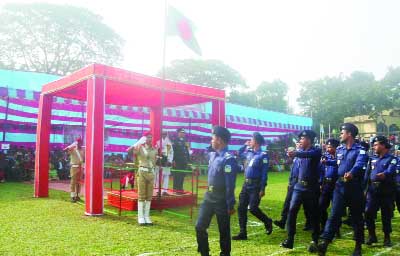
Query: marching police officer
{"points": [[351, 160], [220, 197], [294, 172], [306, 189], [380, 193], [329, 175], [254, 186]]}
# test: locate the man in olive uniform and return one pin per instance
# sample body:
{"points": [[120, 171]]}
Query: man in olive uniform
{"points": [[181, 160], [77, 156], [146, 155]]}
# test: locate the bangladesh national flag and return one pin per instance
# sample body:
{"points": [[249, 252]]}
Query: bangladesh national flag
{"points": [[179, 25]]}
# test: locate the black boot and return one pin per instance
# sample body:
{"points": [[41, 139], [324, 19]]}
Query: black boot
{"points": [[240, 236], [357, 249], [322, 247], [371, 237], [313, 247], [280, 224], [268, 226], [288, 243], [387, 242]]}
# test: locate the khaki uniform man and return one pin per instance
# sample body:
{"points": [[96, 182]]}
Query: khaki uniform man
{"points": [[77, 155], [146, 155]]}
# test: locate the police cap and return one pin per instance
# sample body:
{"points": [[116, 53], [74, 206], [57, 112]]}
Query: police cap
{"points": [[222, 133], [349, 127], [332, 142], [258, 138], [180, 130], [309, 134], [382, 140]]}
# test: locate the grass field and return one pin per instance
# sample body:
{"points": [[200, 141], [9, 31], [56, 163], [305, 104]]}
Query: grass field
{"points": [[54, 226]]}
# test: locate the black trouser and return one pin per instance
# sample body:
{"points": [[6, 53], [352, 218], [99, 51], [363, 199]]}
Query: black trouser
{"points": [[377, 200], [351, 194], [250, 196], [309, 200], [324, 201], [286, 206], [208, 208], [179, 177]]}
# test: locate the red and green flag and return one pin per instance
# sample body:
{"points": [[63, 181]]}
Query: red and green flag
{"points": [[179, 25]]}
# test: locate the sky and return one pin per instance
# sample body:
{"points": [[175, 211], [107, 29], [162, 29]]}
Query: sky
{"points": [[264, 40]]}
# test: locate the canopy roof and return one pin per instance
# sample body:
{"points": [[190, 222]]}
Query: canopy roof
{"points": [[131, 89]]}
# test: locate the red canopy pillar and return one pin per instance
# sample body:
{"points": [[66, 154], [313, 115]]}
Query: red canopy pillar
{"points": [[94, 146], [218, 113], [42, 147], [155, 123]]}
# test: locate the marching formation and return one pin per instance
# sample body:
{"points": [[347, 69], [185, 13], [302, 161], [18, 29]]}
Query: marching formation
{"points": [[344, 176]]}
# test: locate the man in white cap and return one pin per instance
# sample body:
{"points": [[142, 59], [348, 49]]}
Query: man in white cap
{"points": [[167, 156]]}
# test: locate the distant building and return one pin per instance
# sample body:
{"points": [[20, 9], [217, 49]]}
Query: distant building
{"points": [[388, 123]]}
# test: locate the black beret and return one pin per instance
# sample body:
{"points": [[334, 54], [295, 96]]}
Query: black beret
{"points": [[382, 140], [180, 130], [309, 134], [350, 128], [332, 142], [259, 138], [222, 133]]}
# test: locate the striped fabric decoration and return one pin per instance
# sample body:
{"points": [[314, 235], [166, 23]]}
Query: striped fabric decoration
{"points": [[123, 124]]}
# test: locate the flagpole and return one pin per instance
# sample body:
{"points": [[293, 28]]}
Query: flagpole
{"points": [[162, 97]]}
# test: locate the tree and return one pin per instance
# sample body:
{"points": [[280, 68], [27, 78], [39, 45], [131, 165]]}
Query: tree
{"points": [[55, 39], [331, 99], [212, 73], [268, 96]]}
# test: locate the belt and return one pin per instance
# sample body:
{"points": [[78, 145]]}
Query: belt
{"points": [[376, 184], [145, 169], [304, 183], [213, 189], [252, 181], [328, 180]]}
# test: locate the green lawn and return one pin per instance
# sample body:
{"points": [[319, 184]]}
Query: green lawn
{"points": [[54, 226]]}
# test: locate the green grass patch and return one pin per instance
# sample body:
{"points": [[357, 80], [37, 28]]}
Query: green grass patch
{"points": [[54, 226]]}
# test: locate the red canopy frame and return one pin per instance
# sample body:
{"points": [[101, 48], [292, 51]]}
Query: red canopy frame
{"points": [[99, 85]]}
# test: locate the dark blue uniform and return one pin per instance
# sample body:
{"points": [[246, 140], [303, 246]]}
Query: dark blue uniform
{"points": [[218, 200], [397, 184], [380, 194], [306, 191], [329, 174], [349, 192], [256, 177]]}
